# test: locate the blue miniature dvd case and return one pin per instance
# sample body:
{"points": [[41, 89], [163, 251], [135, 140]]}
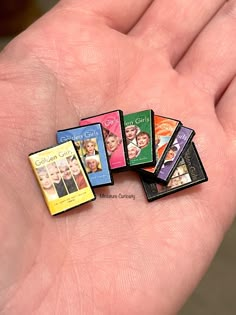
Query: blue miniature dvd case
{"points": [[89, 142]]}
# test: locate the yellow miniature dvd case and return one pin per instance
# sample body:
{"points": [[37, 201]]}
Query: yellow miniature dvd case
{"points": [[61, 177]]}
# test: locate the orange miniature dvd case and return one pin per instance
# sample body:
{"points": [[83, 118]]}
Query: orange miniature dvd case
{"points": [[61, 177]]}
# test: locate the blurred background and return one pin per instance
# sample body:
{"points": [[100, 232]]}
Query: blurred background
{"points": [[17, 15], [216, 294]]}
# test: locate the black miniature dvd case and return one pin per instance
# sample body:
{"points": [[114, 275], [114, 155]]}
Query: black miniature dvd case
{"points": [[189, 172]]}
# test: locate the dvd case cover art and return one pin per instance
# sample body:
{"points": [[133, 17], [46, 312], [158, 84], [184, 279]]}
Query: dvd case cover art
{"points": [[139, 133], [112, 124], [165, 130], [189, 172], [180, 144], [90, 146], [61, 177]]}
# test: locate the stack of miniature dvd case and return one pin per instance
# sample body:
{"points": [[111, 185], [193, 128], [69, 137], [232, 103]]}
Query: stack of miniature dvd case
{"points": [[159, 148]]}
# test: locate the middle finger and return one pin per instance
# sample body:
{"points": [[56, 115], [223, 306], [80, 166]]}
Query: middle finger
{"points": [[171, 28]]}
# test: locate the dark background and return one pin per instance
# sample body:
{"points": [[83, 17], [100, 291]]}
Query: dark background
{"points": [[216, 294]]}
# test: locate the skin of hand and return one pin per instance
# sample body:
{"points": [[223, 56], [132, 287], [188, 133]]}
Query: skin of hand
{"points": [[119, 256]]}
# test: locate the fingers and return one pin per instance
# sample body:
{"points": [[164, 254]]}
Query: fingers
{"points": [[211, 61], [226, 112], [120, 15], [173, 26]]}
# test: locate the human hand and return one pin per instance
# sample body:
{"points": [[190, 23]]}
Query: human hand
{"points": [[86, 57]]}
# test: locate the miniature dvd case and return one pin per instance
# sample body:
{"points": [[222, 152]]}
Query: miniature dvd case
{"points": [[61, 177], [90, 146], [139, 132], [113, 131], [178, 148], [188, 173], [165, 132]]}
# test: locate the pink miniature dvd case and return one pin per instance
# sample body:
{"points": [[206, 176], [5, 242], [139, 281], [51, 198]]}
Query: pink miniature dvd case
{"points": [[113, 131]]}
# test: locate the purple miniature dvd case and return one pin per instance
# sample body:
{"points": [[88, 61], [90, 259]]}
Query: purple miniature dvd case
{"points": [[179, 146]]}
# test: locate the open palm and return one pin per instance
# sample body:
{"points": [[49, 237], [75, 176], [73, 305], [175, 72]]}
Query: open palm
{"points": [[83, 58]]}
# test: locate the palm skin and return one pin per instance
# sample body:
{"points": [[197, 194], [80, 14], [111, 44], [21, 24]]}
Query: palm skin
{"points": [[121, 257]]}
